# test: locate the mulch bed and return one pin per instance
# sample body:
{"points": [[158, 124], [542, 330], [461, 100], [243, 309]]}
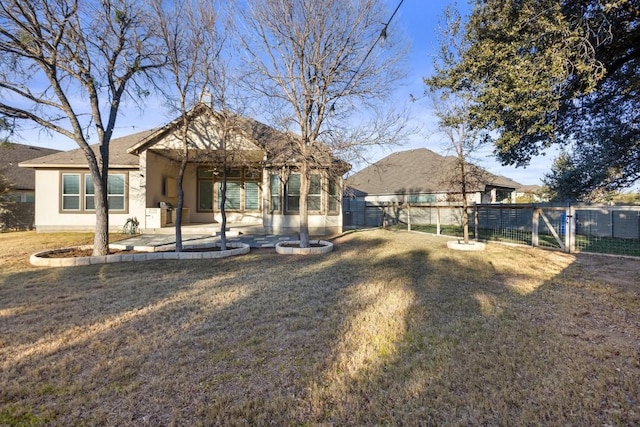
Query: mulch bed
{"points": [[77, 253]]}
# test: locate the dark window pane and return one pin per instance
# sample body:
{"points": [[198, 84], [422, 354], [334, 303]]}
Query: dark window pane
{"points": [[293, 184], [71, 202], [314, 203], [315, 186], [205, 195], [116, 203], [71, 184]]}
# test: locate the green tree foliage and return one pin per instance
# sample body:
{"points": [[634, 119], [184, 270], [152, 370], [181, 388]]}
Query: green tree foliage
{"points": [[562, 182], [556, 71]]}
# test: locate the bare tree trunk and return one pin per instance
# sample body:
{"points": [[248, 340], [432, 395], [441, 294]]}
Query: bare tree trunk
{"points": [[304, 211], [101, 236], [100, 176], [180, 180], [465, 204], [223, 210]]}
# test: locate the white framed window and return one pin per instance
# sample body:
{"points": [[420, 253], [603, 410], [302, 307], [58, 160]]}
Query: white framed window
{"points": [[293, 193], [314, 200], [232, 196], [116, 191], [251, 196]]}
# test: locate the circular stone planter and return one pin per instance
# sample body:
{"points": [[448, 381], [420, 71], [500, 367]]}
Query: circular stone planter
{"points": [[293, 247], [39, 259], [461, 246]]}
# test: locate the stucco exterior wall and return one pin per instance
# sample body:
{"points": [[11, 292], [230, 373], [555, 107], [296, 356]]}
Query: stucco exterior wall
{"points": [[49, 216], [319, 225], [155, 182]]}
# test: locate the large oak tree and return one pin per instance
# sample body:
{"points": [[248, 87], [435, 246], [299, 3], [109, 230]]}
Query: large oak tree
{"points": [[557, 71]]}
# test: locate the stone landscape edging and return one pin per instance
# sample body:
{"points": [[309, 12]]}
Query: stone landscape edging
{"points": [[289, 247], [39, 260], [461, 246]]}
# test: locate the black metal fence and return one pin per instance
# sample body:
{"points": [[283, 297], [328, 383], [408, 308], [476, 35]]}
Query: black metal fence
{"points": [[572, 228]]}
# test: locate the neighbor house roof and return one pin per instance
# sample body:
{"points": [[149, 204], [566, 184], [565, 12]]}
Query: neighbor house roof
{"points": [[11, 155], [533, 188], [419, 171]]}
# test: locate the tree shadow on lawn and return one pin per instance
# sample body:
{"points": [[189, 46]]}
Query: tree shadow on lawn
{"points": [[104, 322], [388, 328], [483, 344]]}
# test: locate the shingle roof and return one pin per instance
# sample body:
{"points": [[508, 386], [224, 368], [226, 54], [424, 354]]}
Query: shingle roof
{"points": [[418, 171], [279, 146], [532, 188], [118, 156], [123, 152], [11, 155]]}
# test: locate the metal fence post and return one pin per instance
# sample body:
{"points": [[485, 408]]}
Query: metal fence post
{"points": [[535, 223], [476, 222], [570, 241]]}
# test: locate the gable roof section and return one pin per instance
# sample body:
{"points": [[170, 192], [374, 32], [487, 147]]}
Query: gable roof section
{"points": [[279, 147], [10, 157], [252, 131], [417, 171], [118, 156]]}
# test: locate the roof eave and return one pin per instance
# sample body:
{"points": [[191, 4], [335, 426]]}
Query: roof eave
{"points": [[72, 166]]}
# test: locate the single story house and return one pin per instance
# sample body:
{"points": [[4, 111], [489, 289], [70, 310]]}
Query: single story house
{"points": [[263, 182], [22, 182], [418, 176]]}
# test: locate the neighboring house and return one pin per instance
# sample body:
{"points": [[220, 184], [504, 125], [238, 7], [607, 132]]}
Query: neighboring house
{"points": [[22, 183], [263, 184], [418, 176], [531, 194]]}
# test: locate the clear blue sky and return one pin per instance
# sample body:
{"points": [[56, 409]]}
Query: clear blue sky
{"points": [[419, 20]]}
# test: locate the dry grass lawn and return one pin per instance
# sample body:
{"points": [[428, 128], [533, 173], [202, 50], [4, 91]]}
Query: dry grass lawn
{"points": [[389, 329]]}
